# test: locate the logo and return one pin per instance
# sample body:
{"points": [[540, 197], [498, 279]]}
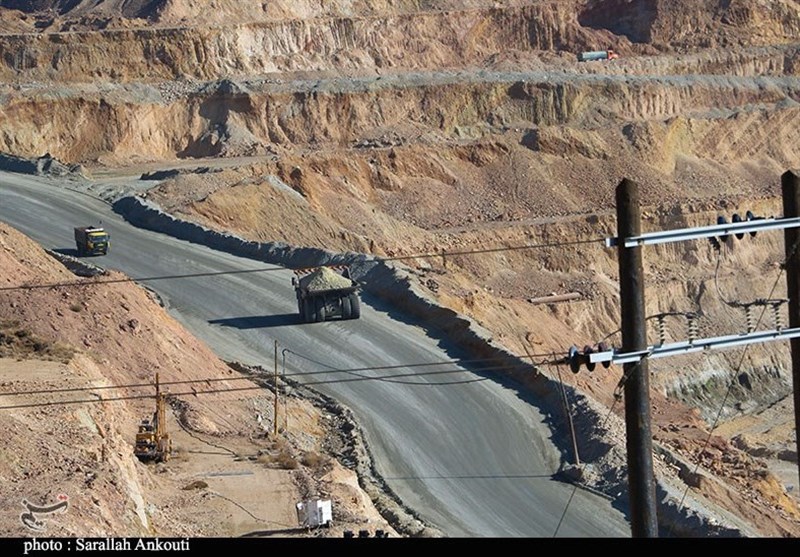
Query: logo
{"points": [[30, 519]]}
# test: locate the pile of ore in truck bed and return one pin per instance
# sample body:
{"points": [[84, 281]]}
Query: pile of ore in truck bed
{"points": [[325, 279]]}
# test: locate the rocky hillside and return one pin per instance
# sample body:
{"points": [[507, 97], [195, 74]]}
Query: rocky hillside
{"points": [[77, 366], [408, 129]]}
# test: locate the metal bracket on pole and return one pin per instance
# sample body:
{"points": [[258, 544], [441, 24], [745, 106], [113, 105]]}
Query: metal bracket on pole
{"points": [[687, 347], [716, 230]]}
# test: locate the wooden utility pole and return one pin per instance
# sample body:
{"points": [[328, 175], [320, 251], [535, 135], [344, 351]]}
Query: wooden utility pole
{"points": [[790, 184], [641, 477]]}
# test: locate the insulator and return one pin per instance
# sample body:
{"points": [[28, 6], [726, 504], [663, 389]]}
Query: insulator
{"points": [[749, 316], [586, 351], [603, 347], [737, 218], [722, 220], [662, 330], [750, 216], [776, 314], [693, 333], [574, 359]]}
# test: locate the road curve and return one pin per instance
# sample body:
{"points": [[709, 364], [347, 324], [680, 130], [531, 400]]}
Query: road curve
{"points": [[472, 457]]}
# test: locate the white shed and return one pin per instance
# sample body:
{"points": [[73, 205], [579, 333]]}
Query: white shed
{"points": [[315, 512]]}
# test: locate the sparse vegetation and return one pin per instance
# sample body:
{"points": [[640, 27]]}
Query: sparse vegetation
{"points": [[285, 460], [282, 459], [314, 460], [20, 343], [279, 455]]}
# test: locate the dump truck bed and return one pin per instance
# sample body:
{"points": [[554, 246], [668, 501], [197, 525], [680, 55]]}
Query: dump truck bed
{"points": [[326, 292], [324, 279]]}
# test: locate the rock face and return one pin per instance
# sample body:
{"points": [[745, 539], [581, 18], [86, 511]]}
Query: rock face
{"points": [[464, 141]]}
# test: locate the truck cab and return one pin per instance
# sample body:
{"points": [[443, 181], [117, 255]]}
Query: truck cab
{"points": [[91, 240]]}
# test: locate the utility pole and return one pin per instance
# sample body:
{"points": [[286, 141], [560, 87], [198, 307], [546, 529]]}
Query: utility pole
{"points": [[275, 417], [790, 185], [641, 477]]}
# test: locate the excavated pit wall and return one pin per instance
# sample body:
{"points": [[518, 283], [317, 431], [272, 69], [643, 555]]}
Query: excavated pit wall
{"points": [[253, 118], [420, 40], [425, 40]]}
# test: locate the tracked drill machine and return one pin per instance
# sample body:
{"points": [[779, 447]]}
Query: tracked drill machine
{"points": [[152, 440]]}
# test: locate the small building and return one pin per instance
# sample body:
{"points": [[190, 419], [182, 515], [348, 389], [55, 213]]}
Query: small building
{"points": [[314, 513]]}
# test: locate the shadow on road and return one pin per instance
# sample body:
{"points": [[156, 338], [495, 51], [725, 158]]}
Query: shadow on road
{"points": [[258, 321], [472, 477]]}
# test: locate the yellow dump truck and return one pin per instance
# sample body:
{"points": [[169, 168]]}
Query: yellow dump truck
{"points": [[326, 292], [91, 240]]}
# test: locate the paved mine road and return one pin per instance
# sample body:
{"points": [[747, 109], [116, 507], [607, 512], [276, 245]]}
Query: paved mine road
{"points": [[473, 459]]}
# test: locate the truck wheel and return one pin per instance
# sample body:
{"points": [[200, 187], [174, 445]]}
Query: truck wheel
{"points": [[346, 308], [319, 306], [355, 306], [308, 310]]}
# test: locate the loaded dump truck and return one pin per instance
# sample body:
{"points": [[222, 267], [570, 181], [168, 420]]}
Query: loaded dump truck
{"points": [[326, 292], [91, 240]]}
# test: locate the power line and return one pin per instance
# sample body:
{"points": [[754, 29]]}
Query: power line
{"points": [[617, 397], [215, 391], [493, 250], [444, 362], [564, 514], [443, 254], [732, 381], [387, 378], [567, 410], [330, 369], [190, 433], [140, 279]]}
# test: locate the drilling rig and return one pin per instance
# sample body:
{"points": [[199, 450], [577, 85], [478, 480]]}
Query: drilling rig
{"points": [[152, 440]]}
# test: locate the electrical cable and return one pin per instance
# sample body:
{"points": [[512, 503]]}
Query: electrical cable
{"points": [[209, 380], [566, 507], [493, 250], [254, 517], [195, 436], [354, 370], [272, 269], [389, 378], [716, 281], [735, 374], [565, 402]]}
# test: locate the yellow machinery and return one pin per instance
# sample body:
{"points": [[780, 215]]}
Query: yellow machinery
{"points": [[91, 240], [152, 439]]}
